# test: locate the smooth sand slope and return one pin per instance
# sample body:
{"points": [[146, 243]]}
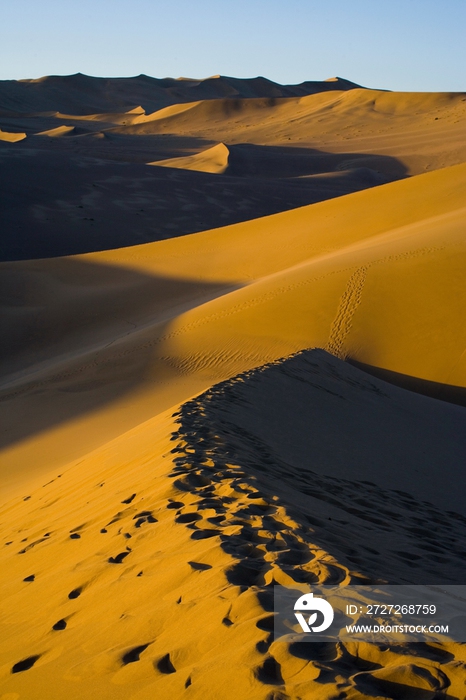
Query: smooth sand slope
{"points": [[147, 568]]}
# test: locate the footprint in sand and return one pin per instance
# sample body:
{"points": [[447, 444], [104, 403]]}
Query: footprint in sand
{"points": [[25, 664]]}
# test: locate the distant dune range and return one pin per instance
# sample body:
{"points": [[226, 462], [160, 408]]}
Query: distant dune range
{"points": [[187, 422], [84, 94], [74, 153]]}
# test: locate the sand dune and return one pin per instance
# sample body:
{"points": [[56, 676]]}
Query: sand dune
{"points": [[288, 146], [126, 117], [189, 420], [421, 130], [65, 201], [57, 131], [212, 160], [83, 93], [192, 531], [11, 137], [383, 290]]}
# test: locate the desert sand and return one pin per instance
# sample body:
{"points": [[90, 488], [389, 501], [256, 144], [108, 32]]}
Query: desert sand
{"points": [[232, 357]]}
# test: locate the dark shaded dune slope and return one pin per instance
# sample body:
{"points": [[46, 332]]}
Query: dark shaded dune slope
{"points": [[366, 468], [74, 203]]}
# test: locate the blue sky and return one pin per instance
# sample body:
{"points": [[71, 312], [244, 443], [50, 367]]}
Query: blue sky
{"points": [[391, 44]]}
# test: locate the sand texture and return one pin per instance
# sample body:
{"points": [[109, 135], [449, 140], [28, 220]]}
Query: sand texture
{"points": [[278, 397]]}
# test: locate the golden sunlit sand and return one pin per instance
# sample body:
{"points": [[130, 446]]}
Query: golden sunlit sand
{"points": [[212, 160], [189, 420]]}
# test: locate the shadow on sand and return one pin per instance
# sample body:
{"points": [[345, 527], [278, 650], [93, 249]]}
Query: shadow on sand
{"points": [[78, 335], [86, 194], [436, 390]]}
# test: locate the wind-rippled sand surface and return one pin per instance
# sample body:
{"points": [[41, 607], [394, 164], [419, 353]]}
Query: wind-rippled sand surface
{"points": [[277, 398]]}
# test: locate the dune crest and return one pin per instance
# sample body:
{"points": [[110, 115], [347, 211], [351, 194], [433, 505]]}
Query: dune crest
{"points": [[57, 132], [212, 160], [11, 137]]}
